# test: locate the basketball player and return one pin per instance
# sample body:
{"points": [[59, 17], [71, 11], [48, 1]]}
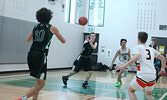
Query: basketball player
{"points": [[157, 62], [124, 56], [146, 73], [84, 60], [41, 35], [153, 44]]}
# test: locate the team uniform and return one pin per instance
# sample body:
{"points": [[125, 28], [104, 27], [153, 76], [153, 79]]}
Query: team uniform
{"points": [[155, 47], [157, 63], [37, 60], [84, 60], [146, 73], [123, 58]]}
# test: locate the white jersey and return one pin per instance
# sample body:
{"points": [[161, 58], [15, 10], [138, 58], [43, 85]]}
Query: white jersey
{"points": [[146, 59], [123, 56]]}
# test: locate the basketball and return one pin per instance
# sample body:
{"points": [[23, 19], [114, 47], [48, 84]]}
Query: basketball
{"points": [[82, 20]]}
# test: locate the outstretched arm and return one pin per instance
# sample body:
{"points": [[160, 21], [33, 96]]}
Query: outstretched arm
{"points": [[117, 53], [163, 61], [93, 46], [55, 31], [130, 62]]}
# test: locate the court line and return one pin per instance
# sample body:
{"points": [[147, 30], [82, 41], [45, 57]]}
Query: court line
{"points": [[104, 93], [28, 77], [163, 96], [13, 76], [25, 75], [62, 85], [80, 86], [22, 76], [51, 92], [72, 86], [76, 87]]}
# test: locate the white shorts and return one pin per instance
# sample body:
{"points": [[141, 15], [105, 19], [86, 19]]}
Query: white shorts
{"points": [[135, 84], [121, 63]]}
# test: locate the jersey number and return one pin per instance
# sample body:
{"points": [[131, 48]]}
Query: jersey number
{"points": [[148, 53], [39, 35], [125, 58]]}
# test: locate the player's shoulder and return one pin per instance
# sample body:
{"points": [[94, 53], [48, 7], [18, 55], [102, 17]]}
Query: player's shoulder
{"points": [[119, 50], [140, 47], [137, 47], [48, 25], [36, 25]]}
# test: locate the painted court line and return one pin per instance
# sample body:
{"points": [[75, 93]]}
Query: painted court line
{"points": [[13, 76], [25, 75], [104, 93], [50, 83], [163, 96], [62, 85]]}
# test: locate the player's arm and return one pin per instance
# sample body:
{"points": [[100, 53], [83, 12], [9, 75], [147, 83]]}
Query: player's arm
{"points": [[86, 40], [117, 53], [163, 61], [55, 31], [30, 36], [130, 62], [93, 45], [129, 54]]}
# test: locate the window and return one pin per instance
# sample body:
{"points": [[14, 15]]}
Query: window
{"points": [[74, 10], [96, 13]]}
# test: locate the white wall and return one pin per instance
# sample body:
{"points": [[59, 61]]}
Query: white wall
{"points": [[60, 55], [121, 22]]}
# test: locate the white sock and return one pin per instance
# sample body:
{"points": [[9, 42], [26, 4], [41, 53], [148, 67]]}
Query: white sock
{"points": [[24, 98]]}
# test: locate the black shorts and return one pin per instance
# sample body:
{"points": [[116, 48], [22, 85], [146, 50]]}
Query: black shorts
{"points": [[37, 64], [84, 62]]}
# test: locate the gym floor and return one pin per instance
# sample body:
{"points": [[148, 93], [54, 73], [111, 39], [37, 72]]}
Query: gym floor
{"points": [[102, 84]]}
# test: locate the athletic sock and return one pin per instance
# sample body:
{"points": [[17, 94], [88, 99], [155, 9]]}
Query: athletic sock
{"points": [[86, 82], [24, 97]]}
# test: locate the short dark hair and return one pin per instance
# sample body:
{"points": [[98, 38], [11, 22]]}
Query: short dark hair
{"points": [[44, 15], [142, 36], [122, 40], [92, 33]]}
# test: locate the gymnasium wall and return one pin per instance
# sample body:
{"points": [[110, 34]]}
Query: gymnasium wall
{"points": [[124, 19], [21, 16]]}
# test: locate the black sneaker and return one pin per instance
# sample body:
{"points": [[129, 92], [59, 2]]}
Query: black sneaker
{"points": [[85, 86], [64, 79]]}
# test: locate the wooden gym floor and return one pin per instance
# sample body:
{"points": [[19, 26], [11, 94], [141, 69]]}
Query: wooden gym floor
{"points": [[102, 84]]}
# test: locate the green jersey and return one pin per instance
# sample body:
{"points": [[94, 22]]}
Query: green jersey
{"points": [[41, 37]]}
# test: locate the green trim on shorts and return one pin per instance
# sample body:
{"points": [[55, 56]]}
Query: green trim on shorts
{"points": [[39, 73]]}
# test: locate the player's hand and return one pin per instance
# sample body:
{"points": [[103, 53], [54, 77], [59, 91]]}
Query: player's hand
{"points": [[87, 39], [91, 41], [119, 67], [111, 66], [162, 73]]}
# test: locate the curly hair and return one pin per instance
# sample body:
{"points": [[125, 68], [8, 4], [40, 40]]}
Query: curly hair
{"points": [[44, 15]]}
